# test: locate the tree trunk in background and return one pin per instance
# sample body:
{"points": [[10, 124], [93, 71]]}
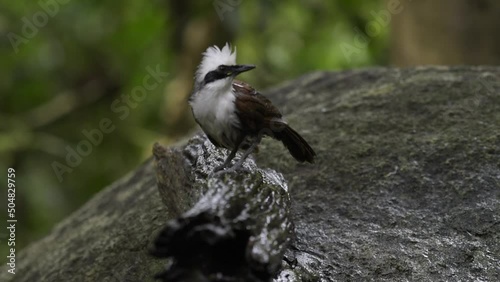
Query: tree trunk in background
{"points": [[446, 32]]}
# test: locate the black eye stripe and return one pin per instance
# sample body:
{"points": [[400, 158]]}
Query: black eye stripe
{"points": [[214, 75]]}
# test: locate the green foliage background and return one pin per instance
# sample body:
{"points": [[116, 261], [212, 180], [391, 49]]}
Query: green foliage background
{"points": [[64, 78]]}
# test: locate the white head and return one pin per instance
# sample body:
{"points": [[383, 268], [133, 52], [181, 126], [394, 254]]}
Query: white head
{"points": [[218, 68]]}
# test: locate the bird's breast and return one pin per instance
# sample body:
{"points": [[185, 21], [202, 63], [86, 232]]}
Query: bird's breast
{"points": [[216, 116]]}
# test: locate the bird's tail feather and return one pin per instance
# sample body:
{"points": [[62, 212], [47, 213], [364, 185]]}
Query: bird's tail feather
{"points": [[296, 145]]}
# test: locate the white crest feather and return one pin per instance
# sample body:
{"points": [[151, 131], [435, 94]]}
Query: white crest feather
{"points": [[213, 57]]}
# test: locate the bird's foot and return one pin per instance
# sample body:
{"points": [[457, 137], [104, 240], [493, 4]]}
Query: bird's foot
{"points": [[222, 169]]}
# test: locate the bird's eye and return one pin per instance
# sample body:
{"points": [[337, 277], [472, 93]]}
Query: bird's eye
{"points": [[225, 70]]}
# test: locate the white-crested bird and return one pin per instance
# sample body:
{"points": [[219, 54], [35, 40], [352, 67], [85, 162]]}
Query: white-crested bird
{"points": [[233, 114]]}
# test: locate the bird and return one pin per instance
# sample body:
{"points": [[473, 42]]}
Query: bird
{"points": [[234, 115]]}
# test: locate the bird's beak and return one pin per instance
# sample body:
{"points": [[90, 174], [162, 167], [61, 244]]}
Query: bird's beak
{"points": [[237, 69]]}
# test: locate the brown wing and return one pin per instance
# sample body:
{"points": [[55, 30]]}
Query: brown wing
{"points": [[255, 111]]}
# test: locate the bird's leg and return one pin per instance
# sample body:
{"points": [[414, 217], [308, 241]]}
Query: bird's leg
{"points": [[228, 160], [250, 150], [231, 156]]}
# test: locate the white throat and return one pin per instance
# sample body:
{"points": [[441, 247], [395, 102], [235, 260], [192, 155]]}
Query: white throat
{"points": [[214, 110]]}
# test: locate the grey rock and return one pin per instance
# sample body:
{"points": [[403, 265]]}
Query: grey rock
{"points": [[407, 183], [406, 187]]}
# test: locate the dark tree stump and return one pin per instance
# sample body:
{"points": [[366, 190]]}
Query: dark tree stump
{"points": [[237, 231]]}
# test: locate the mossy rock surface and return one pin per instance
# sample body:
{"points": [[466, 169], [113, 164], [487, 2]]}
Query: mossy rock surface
{"points": [[407, 180], [406, 186]]}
